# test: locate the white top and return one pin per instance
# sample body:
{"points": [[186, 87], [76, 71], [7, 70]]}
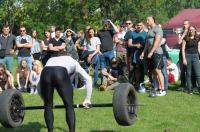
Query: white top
{"points": [[35, 77], [174, 70], [72, 66], [92, 44]]}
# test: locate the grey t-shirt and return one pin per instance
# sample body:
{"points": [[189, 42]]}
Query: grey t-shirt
{"points": [[157, 30], [7, 43]]}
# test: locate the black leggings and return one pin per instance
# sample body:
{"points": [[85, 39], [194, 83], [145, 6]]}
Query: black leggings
{"points": [[57, 77]]}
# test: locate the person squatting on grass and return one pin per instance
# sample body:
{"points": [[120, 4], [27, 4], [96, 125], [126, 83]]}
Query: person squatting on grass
{"points": [[34, 77], [56, 74], [190, 53], [23, 72], [6, 78]]}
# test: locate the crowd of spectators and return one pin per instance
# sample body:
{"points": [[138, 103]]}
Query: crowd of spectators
{"points": [[112, 54]]}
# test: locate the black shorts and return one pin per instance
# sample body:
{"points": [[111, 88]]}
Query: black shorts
{"points": [[155, 62]]}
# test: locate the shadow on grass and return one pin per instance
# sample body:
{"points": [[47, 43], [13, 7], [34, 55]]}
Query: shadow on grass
{"points": [[103, 131], [30, 127]]}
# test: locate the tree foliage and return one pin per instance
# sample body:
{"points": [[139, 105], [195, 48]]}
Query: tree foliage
{"points": [[77, 14]]}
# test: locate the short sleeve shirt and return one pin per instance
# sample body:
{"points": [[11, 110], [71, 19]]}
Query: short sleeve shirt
{"points": [[24, 52], [55, 42], [157, 30], [92, 44], [106, 38]]}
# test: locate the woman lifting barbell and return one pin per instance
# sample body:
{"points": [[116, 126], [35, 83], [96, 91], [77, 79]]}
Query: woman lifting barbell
{"points": [[56, 74]]}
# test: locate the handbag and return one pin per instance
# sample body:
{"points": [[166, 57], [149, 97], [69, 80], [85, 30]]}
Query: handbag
{"points": [[3, 51]]}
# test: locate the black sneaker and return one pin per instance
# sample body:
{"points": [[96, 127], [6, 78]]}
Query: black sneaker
{"points": [[180, 89]]}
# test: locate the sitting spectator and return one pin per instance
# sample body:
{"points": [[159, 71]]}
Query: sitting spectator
{"points": [[35, 76], [6, 78], [113, 73], [92, 46], [172, 71], [22, 76]]}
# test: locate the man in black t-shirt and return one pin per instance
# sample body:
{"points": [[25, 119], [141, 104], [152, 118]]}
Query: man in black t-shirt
{"points": [[24, 44], [56, 44], [106, 49]]}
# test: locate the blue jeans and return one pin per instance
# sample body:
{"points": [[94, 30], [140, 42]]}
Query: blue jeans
{"points": [[28, 60], [95, 61], [106, 58], [8, 61], [164, 71]]}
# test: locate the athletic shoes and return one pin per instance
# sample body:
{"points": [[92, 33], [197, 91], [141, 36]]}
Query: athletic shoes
{"points": [[161, 93], [152, 93]]}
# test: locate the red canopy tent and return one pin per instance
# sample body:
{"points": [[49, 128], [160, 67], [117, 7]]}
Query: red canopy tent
{"points": [[193, 15]]}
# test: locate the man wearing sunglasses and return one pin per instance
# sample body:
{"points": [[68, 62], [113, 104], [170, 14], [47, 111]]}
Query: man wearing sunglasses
{"points": [[24, 44], [129, 29]]}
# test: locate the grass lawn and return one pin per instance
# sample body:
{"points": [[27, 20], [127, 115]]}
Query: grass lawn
{"points": [[176, 112]]}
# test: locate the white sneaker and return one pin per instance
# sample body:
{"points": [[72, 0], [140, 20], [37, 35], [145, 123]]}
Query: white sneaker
{"points": [[161, 93], [32, 91], [35, 92]]}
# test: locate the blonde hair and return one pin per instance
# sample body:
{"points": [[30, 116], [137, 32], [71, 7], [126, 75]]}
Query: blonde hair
{"points": [[39, 64]]}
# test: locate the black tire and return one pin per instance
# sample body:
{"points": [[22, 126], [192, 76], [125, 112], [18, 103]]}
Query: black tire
{"points": [[124, 95], [10, 101]]}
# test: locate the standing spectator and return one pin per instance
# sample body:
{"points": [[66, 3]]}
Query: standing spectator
{"points": [[70, 39], [23, 76], [79, 43], [92, 45], [44, 47], [6, 78], [7, 42], [118, 39], [186, 25], [165, 57], [35, 76], [137, 42], [35, 50], [190, 54], [106, 47], [129, 26], [24, 45], [56, 45], [155, 60]]}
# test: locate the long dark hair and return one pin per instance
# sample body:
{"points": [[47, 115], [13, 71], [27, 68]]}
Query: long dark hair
{"points": [[188, 35], [5, 77], [87, 36]]}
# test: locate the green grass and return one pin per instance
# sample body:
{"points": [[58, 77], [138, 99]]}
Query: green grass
{"points": [[176, 112]]}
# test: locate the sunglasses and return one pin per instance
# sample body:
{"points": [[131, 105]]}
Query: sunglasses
{"points": [[128, 23]]}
